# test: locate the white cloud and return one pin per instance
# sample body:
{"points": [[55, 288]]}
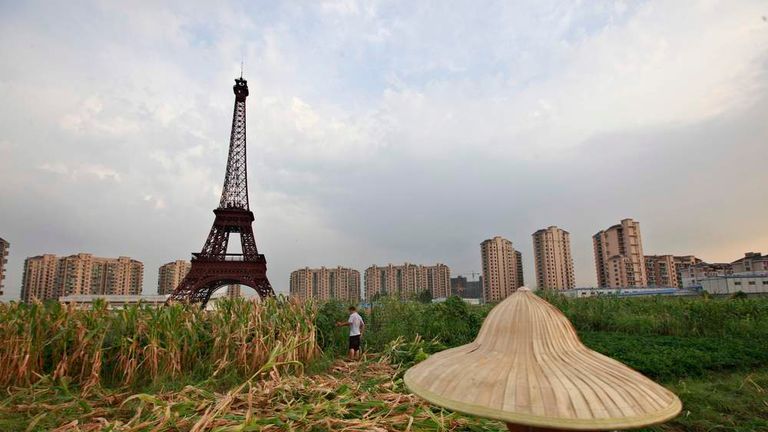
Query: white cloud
{"points": [[377, 131], [81, 172]]}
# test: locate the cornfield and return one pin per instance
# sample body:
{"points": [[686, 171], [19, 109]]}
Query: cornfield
{"points": [[349, 396], [137, 346], [242, 366]]}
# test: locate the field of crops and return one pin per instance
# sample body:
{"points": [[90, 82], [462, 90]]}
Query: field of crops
{"points": [[276, 366], [135, 347]]}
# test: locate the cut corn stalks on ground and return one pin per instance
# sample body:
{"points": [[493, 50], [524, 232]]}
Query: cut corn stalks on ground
{"points": [[350, 396]]}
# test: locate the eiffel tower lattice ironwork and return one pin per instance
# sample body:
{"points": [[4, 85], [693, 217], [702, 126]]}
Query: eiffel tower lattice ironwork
{"points": [[213, 267]]}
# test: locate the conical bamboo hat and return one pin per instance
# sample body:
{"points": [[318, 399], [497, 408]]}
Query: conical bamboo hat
{"points": [[528, 367]]}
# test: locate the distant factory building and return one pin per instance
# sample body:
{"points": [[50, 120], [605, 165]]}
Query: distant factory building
{"points": [[749, 283]]}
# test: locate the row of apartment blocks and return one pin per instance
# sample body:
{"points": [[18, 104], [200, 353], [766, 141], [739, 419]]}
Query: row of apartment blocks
{"points": [[403, 281], [323, 284], [620, 262], [51, 277], [502, 274]]}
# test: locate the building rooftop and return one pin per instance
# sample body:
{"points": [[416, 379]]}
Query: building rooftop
{"points": [[550, 227], [750, 255], [737, 276]]}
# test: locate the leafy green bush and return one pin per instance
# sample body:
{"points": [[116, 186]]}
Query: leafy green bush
{"points": [[670, 316], [663, 337], [672, 357]]}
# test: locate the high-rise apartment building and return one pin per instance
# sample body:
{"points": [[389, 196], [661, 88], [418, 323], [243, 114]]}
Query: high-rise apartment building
{"points": [[326, 283], [4, 247], [47, 276], [519, 268], [552, 258], [502, 269], [661, 271], [39, 278], [619, 258], [407, 280], [170, 275]]}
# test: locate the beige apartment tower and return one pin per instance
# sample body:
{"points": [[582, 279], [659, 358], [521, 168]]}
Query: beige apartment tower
{"points": [[48, 277], [552, 259], [661, 271], [323, 284], [39, 278], [502, 269], [407, 280], [619, 258], [170, 275], [4, 247]]}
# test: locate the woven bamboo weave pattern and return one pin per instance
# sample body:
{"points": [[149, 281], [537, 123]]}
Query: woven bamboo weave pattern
{"points": [[527, 366]]}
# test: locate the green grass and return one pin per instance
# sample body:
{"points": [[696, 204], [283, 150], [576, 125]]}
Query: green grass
{"points": [[672, 357], [735, 402]]}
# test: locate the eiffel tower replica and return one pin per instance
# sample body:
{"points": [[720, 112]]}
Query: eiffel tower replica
{"points": [[213, 267]]}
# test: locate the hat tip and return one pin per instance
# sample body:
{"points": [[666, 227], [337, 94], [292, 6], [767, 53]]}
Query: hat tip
{"points": [[524, 289]]}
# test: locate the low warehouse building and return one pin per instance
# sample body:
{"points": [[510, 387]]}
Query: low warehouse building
{"points": [[749, 283]]}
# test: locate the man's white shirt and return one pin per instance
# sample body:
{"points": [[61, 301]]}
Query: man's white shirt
{"points": [[355, 322]]}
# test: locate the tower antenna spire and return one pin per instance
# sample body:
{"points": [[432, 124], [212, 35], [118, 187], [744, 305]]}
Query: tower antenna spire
{"points": [[241, 68]]}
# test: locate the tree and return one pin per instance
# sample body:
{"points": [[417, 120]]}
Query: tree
{"points": [[739, 295], [424, 297]]}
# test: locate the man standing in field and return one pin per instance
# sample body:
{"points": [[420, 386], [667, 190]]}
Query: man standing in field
{"points": [[356, 329]]}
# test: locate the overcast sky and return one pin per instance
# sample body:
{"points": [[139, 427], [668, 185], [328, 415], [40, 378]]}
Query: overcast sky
{"points": [[383, 132]]}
